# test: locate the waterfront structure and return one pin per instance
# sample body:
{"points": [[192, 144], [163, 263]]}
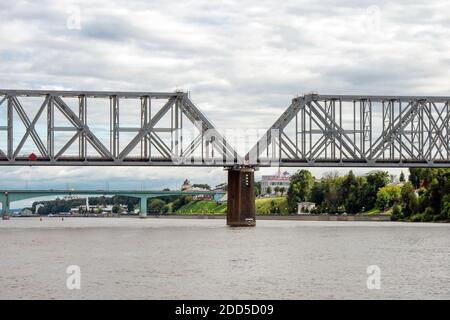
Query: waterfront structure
{"points": [[306, 207], [98, 209]]}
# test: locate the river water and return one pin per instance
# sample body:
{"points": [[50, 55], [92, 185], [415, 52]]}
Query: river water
{"points": [[204, 259]]}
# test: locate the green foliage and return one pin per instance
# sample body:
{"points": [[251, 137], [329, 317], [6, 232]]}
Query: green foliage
{"points": [[388, 196], [445, 212], [375, 181], [181, 201], [396, 212], [258, 188], [351, 189], [420, 176], [299, 188], [116, 208], [277, 205], [334, 194], [410, 203], [156, 205]]}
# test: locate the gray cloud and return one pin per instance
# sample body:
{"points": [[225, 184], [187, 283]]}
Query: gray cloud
{"points": [[243, 62]]}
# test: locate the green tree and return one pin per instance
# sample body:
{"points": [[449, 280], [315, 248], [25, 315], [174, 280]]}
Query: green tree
{"points": [[181, 201], [156, 205], [317, 193], [258, 188], [282, 190], [375, 181], [277, 190], [420, 176], [269, 190], [445, 212], [116, 208], [350, 193], [299, 189], [388, 196], [409, 200]]}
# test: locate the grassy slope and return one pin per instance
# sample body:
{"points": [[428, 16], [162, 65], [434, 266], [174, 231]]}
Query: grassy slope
{"points": [[263, 206]]}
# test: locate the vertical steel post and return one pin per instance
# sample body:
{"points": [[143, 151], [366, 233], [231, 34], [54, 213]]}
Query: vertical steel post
{"points": [[50, 128], [82, 143], [10, 128]]}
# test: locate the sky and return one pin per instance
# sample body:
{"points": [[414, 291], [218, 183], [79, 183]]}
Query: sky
{"points": [[241, 61]]}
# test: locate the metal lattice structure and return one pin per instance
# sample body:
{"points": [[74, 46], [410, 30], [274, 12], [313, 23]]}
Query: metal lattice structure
{"points": [[347, 130], [157, 138]]}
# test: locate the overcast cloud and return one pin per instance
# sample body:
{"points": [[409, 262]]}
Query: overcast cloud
{"points": [[242, 62]]}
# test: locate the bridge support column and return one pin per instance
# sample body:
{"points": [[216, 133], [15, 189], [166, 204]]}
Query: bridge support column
{"points": [[5, 207], [143, 207], [241, 209]]}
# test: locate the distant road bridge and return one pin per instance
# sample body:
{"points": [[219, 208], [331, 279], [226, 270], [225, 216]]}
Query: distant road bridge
{"points": [[90, 128], [8, 196]]}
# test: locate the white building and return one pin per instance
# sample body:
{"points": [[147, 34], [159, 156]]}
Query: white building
{"points": [[305, 207], [280, 180]]}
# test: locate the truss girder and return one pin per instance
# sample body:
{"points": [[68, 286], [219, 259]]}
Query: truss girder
{"points": [[159, 137], [358, 131]]}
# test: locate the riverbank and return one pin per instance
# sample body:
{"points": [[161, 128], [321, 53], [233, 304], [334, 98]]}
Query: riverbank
{"points": [[309, 217]]}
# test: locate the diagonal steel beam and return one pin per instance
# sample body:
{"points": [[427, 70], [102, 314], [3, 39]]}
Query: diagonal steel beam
{"points": [[160, 144], [30, 127], [146, 129], [279, 124], [194, 115], [3, 99], [337, 132], [387, 139], [72, 117], [68, 144]]}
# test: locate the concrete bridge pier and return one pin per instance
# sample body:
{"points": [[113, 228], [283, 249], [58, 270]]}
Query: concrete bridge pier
{"points": [[5, 207], [143, 207], [241, 211]]}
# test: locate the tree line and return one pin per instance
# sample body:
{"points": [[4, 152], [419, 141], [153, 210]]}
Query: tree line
{"points": [[424, 197], [334, 193]]}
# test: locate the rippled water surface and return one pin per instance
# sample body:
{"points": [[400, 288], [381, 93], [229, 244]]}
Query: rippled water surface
{"points": [[196, 259]]}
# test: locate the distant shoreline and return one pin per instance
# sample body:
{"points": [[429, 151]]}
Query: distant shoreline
{"points": [[286, 217], [309, 217]]}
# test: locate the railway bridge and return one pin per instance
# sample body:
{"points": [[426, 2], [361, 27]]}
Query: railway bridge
{"points": [[95, 128]]}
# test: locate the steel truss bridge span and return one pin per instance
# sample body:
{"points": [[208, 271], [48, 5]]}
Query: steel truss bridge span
{"points": [[358, 131], [96, 128]]}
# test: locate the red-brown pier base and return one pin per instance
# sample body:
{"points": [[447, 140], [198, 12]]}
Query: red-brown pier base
{"points": [[241, 210]]}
